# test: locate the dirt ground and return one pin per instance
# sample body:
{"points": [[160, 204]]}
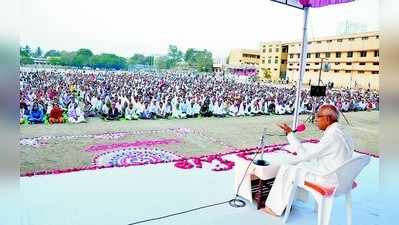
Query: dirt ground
{"points": [[196, 137]]}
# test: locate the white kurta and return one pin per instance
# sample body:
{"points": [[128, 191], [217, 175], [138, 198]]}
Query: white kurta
{"points": [[334, 148]]}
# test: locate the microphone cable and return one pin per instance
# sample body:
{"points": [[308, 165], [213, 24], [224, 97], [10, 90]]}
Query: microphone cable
{"points": [[235, 203]]}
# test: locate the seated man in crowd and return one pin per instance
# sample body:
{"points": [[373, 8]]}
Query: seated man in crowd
{"points": [[36, 114], [130, 113], [160, 112], [75, 114], [55, 115], [168, 109], [113, 113], [89, 110], [146, 114]]}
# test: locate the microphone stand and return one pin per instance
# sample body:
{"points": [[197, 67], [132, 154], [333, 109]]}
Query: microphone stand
{"points": [[261, 161]]}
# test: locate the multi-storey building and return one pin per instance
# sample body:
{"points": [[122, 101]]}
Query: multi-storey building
{"points": [[353, 60]]}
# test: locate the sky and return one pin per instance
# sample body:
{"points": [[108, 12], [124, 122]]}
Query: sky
{"points": [[126, 27]]}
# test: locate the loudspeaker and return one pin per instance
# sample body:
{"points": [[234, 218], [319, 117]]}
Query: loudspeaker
{"points": [[317, 91]]}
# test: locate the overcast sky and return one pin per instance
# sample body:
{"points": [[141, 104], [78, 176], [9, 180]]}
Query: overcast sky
{"points": [[126, 27]]}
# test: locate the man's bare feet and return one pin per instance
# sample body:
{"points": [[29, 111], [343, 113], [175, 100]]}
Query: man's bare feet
{"points": [[269, 211]]}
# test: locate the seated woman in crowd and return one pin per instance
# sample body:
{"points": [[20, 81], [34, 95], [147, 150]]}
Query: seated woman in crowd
{"points": [[22, 112], [218, 109], [75, 114], [55, 115], [36, 114]]}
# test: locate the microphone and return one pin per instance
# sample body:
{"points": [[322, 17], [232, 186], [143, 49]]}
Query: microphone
{"points": [[262, 162], [300, 128]]}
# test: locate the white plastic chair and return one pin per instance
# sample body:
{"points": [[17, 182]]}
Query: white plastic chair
{"points": [[324, 196]]}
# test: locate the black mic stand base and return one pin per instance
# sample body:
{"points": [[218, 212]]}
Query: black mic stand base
{"points": [[261, 162]]}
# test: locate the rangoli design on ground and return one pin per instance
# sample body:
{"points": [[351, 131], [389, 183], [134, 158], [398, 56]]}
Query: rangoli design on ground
{"points": [[134, 156]]}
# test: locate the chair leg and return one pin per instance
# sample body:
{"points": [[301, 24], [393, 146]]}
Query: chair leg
{"points": [[291, 199], [324, 211], [348, 197]]}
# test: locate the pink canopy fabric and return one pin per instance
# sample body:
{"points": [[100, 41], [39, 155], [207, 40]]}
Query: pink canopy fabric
{"points": [[321, 3]]}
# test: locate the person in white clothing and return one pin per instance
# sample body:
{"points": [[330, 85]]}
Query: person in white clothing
{"points": [[333, 150]]}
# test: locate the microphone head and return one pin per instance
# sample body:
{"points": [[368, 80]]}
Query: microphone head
{"points": [[300, 128]]}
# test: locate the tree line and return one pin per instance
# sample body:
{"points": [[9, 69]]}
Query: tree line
{"points": [[200, 60]]}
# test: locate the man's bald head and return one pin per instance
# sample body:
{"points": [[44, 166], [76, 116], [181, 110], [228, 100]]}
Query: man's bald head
{"points": [[331, 111]]}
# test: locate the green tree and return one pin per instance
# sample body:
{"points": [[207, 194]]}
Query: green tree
{"points": [[52, 53], [38, 53], [82, 57], [200, 59], [25, 55], [174, 56], [137, 59]]}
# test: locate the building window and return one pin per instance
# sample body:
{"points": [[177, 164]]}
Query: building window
{"points": [[362, 63], [337, 63], [297, 64], [328, 54], [317, 63], [264, 51], [283, 61], [363, 54], [269, 61], [309, 43], [277, 49], [285, 49], [336, 71], [299, 55], [365, 38], [315, 70], [317, 55], [351, 39], [377, 37], [307, 70], [348, 63], [374, 72], [263, 61], [307, 64], [291, 56], [308, 55], [276, 61], [347, 71], [289, 69], [349, 54], [360, 72], [329, 41], [339, 40], [291, 64], [275, 69], [338, 55], [270, 50], [318, 42], [376, 63], [376, 53]]}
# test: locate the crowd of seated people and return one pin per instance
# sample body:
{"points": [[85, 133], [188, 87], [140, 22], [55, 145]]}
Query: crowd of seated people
{"points": [[59, 96]]}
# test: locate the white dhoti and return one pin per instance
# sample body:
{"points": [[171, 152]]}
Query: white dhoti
{"points": [[288, 178]]}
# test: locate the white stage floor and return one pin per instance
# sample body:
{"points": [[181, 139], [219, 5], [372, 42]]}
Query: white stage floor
{"points": [[120, 196]]}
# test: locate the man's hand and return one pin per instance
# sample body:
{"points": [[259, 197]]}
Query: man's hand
{"points": [[286, 128]]}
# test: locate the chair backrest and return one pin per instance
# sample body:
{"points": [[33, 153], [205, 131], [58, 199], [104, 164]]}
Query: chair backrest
{"points": [[347, 173]]}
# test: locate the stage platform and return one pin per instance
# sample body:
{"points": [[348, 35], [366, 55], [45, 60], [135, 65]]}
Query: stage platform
{"points": [[121, 196]]}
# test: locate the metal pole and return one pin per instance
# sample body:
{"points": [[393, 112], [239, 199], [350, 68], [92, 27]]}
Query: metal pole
{"points": [[302, 67], [321, 67]]}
